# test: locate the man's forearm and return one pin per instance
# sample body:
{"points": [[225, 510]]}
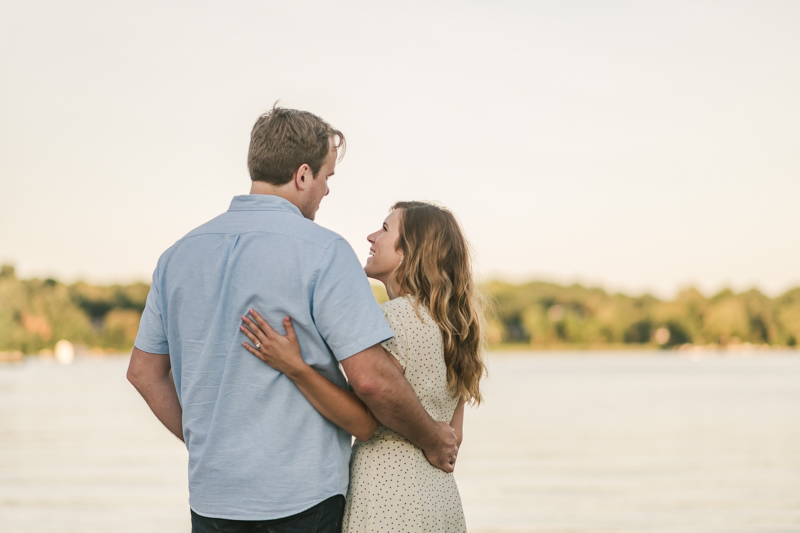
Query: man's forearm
{"points": [[387, 393], [151, 374], [381, 385], [396, 406], [160, 395]]}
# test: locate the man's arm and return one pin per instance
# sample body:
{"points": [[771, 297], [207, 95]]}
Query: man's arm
{"points": [[151, 374], [378, 382]]}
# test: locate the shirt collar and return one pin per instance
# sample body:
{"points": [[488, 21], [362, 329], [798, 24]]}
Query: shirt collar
{"points": [[263, 202]]}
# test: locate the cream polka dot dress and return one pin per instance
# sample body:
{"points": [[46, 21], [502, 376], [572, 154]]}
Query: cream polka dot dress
{"points": [[392, 486]]}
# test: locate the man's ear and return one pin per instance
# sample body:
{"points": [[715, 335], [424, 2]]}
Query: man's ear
{"points": [[303, 176]]}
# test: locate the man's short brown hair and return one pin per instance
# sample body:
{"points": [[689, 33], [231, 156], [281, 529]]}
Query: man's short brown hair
{"points": [[284, 139]]}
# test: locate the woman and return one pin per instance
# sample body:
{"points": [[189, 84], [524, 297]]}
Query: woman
{"points": [[422, 258]]}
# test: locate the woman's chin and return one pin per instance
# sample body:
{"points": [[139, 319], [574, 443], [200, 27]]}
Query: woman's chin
{"points": [[371, 275]]}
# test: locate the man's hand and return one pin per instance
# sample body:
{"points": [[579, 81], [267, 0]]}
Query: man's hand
{"points": [[444, 454]]}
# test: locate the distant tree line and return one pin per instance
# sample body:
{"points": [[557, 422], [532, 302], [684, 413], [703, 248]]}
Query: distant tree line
{"points": [[545, 314], [35, 314]]}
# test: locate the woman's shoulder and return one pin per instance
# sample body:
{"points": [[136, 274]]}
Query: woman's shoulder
{"points": [[397, 308], [403, 309]]}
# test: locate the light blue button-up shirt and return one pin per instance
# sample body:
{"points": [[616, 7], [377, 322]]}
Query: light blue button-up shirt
{"points": [[257, 448]]}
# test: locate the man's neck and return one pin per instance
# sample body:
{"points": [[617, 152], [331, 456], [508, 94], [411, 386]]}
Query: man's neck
{"points": [[287, 192]]}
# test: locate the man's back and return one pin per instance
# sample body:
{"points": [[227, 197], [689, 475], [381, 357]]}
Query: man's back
{"points": [[257, 449]]}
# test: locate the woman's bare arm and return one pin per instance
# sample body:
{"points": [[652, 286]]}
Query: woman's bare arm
{"points": [[282, 352], [457, 422]]}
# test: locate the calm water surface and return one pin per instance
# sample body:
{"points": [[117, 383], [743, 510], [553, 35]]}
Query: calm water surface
{"points": [[565, 443]]}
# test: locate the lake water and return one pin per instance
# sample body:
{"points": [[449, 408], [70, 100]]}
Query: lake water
{"points": [[565, 443]]}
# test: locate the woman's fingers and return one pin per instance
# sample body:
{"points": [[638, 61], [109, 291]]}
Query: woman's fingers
{"points": [[263, 324], [254, 351], [252, 336], [253, 328], [287, 323]]}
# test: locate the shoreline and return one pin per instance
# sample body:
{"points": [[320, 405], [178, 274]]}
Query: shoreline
{"points": [[645, 349], [520, 349]]}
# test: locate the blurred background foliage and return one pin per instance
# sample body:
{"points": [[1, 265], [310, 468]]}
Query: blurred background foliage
{"points": [[35, 314], [548, 315]]}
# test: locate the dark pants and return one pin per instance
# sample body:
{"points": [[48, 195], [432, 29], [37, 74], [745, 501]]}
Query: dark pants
{"points": [[325, 517]]}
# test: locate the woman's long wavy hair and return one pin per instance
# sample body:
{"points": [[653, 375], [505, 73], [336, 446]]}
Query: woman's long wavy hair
{"points": [[436, 270]]}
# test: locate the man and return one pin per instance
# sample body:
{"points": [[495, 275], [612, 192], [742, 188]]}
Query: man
{"points": [[258, 451]]}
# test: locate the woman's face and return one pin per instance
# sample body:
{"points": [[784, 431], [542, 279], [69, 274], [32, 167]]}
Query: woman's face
{"points": [[384, 257]]}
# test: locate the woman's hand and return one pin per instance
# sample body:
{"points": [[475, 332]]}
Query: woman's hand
{"points": [[281, 352]]}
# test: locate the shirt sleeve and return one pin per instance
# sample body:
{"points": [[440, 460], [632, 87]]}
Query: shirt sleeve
{"points": [[397, 345], [344, 309], [152, 336]]}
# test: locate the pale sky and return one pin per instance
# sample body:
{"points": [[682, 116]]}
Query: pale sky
{"points": [[639, 146]]}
